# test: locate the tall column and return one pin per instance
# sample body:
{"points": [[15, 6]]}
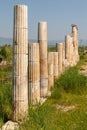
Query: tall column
{"points": [[63, 62], [34, 73], [59, 47], [67, 50], [42, 39], [72, 53], [20, 63], [75, 40], [55, 68], [67, 47], [50, 70]]}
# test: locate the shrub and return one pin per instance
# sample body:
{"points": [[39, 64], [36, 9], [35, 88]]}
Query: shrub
{"points": [[71, 81], [5, 100]]}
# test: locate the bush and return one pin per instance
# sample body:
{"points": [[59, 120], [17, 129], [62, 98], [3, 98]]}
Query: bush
{"points": [[5, 100], [6, 52], [71, 81]]}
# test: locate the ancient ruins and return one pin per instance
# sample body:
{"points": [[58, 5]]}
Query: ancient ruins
{"points": [[35, 69]]}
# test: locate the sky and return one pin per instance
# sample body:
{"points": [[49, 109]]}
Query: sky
{"points": [[59, 15]]}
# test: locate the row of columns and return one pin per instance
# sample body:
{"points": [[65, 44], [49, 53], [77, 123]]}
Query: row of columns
{"points": [[35, 69]]}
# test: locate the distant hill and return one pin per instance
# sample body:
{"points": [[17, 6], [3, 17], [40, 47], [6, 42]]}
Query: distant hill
{"points": [[4, 41]]}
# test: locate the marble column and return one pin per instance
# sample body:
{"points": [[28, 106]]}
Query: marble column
{"points": [[20, 63], [59, 47], [42, 40], [55, 65], [34, 73], [50, 70]]}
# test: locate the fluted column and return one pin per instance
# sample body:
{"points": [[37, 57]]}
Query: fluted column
{"points": [[72, 53], [55, 68], [67, 50], [63, 62], [20, 63], [50, 70], [59, 47], [75, 40], [67, 47], [34, 73], [42, 39]]}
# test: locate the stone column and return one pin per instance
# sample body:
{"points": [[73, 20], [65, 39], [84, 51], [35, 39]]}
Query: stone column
{"points": [[20, 63], [63, 63], [55, 65], [75, 40], [59, 47], [50, 70], [34, 73], [72, 53], [67, 50], [67, 47], [42, 39]]}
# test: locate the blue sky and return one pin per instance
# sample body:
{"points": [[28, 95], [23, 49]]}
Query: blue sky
{"points": [[59, 14]]}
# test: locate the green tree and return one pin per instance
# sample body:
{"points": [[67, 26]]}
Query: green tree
{"points": [[3, 52]]}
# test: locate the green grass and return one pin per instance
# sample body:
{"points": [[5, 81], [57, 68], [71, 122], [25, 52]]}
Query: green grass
{"points": [[5, 93], [70, 89], [5, 101], [72, 81], [47, 117]]}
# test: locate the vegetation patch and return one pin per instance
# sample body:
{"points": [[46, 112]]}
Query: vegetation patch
{"points": [[65, 109]]}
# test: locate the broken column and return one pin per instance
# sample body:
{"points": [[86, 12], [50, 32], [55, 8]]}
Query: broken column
{"points": [[20, 63], [42, 39], [55, 65], [34, 73], [75, 40], [59, 47], [69, 51], [50, 70]]}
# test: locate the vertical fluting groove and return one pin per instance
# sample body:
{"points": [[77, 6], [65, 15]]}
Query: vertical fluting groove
{"points": [[20, 63], [34, 73], [42, 40]]}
